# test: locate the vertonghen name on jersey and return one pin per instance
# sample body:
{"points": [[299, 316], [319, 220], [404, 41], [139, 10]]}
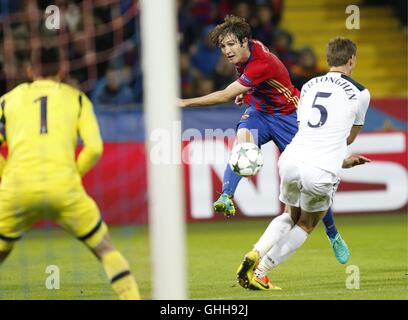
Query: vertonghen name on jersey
{"points": [[342, 83]]}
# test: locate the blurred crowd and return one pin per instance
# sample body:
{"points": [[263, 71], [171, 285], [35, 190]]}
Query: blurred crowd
{"points": [[101, 43]]}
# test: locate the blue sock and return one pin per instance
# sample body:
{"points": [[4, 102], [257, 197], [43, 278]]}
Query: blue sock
{"points": [[230, 181], [329, 225]]}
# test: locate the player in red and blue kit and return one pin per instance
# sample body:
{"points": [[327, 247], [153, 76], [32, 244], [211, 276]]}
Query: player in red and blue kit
{"points": [[265, 88]]}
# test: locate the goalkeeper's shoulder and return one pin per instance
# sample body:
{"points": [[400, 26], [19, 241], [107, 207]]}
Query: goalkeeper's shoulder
{"points": [[70, 89], [16, 90], [78, 95]]}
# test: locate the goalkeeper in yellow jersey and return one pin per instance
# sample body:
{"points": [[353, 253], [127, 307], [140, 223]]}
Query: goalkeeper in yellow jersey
{"points": [[40, 179]]}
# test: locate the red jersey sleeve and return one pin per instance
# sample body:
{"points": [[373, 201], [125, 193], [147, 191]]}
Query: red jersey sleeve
{"points": [[255, 73]]}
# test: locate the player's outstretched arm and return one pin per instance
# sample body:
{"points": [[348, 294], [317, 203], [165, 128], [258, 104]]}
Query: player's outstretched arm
{"points": [[353, 134], [218, 97], [89, 131], [354, 160]]}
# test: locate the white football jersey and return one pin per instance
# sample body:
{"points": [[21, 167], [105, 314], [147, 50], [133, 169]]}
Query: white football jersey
{"points": [[328, 108]]}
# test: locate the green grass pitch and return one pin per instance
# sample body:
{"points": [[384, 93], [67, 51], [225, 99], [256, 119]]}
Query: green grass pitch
{"points": [[378, 245]]}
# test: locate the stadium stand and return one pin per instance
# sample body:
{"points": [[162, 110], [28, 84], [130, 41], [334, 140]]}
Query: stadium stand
{"points": [[382, 46]]}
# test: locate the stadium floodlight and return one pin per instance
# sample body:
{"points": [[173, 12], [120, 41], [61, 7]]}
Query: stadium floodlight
{"points": [[166, 203]]}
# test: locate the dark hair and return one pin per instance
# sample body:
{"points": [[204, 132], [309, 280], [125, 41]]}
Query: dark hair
{"points": [[46, 61], [231, 25], [339, 51]]}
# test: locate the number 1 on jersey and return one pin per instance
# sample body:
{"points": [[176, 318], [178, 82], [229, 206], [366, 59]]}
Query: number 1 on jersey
{"points": [[43, 111]]}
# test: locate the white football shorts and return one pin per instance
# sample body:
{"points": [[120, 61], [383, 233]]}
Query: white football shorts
{"points": [[306, 186]]}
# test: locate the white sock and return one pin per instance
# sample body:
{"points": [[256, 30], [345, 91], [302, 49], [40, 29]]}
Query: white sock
{"points": [[281, 251], [278, 227]]}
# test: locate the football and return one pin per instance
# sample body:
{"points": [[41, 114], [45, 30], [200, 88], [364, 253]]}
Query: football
{"points": [[246, 159]]}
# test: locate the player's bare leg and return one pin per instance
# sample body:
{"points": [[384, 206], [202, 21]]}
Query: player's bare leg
{"points": [[117, 269], [243, 136], [224, 203], [294, 212], [309, 220], [103, 248]]}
